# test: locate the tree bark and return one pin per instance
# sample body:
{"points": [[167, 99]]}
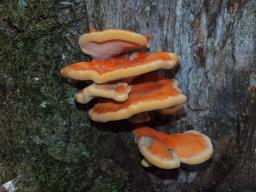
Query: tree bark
{"points": [[216, 43]]}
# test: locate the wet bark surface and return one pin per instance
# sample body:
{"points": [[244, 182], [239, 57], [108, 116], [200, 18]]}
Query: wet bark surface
{"points": [[47, 139]]}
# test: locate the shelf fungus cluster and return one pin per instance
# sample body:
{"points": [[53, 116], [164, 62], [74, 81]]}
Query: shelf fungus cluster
{"points": [[130, 87], [167, 151]]}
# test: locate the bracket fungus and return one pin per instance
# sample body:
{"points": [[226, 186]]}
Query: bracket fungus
{"points": [[102, 71], [131, 87], [190, 147], [147, 96], [109, 43], [118, 92]]}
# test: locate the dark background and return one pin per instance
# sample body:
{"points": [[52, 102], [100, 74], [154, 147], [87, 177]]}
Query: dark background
{"points": [[48, 140]]}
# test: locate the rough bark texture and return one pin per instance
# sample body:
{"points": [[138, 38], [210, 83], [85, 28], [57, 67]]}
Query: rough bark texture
{"points": [[49, 141]]}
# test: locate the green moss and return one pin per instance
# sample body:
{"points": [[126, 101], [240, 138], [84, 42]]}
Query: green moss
{"points": [[111, 179], [44, 137], [109, 184]]}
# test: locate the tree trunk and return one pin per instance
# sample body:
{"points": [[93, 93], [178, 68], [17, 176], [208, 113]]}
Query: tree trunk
{"points": [[49, 140]]}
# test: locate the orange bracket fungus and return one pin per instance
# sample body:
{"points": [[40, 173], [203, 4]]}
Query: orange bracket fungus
{"points": [[109, 43], [131, 87], [143, 97], [101, 71], [118, 92], [190, 147]]}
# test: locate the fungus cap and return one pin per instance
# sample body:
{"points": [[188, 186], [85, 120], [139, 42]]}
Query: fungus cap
{"points": [[109, 43], [102, 71], [190, 147], [118, 92], [144, 97]]}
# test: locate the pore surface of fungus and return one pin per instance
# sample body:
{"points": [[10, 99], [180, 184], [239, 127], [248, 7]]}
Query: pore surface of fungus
{"points": [[101, 71], [171, 111], [146, 163], [108, 43], [146, 96], [118, 92], [190, 147]]}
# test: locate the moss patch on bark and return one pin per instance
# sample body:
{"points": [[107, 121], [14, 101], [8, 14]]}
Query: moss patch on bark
{"points": [[43, 136]]}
